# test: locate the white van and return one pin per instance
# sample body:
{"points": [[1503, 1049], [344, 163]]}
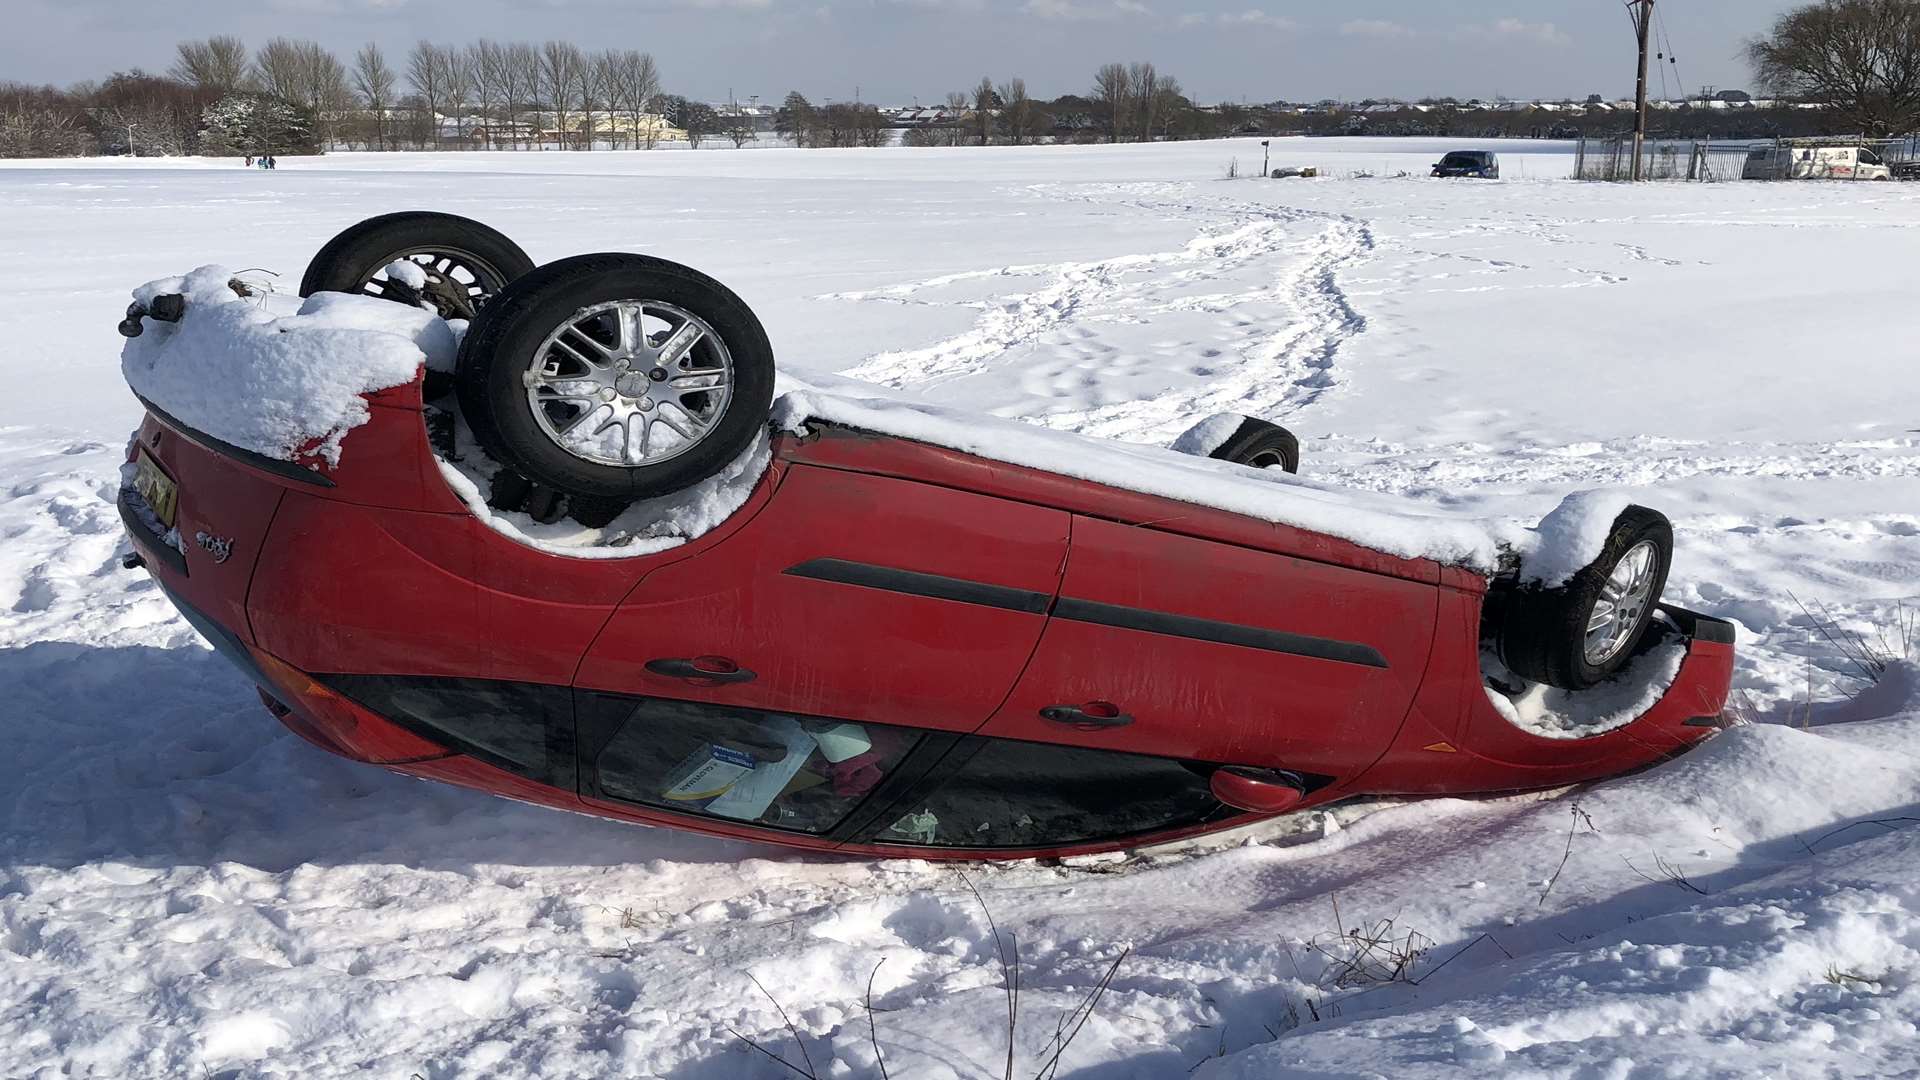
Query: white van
{"points": [[1815, 163]]}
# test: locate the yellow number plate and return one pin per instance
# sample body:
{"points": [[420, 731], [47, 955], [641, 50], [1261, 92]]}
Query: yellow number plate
{"points": [[162, 495]]}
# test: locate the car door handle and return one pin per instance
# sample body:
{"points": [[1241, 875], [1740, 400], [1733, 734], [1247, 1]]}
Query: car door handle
{"points": [[1093, 716], [702, 670]]}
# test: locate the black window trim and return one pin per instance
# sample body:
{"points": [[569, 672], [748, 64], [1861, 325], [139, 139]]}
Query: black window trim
{"points": [[597, 731]]}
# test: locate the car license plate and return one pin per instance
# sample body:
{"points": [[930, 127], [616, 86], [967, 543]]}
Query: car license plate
{"points": [[161, 493]]}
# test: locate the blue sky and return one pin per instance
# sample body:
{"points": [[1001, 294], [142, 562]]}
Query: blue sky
{"points": [[897, 50]]}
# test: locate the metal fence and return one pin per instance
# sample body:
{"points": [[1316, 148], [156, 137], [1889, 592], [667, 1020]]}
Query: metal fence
{"points": [[1844, 157]]}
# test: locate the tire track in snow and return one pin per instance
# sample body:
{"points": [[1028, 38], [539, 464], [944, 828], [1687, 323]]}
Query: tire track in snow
{"points": [[1281, 371], [1101, 290]]}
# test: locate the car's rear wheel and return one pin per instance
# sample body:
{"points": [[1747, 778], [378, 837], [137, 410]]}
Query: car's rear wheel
{"points": [[1580, 633], [616, 376], [462, 263]]}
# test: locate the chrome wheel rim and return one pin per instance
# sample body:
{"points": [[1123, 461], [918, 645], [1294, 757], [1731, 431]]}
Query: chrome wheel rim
{"points": [[1623, 603], [458, 282], [629, 382]]}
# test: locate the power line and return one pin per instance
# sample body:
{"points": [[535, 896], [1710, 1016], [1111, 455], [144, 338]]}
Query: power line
{"points": [[1660, 21]]}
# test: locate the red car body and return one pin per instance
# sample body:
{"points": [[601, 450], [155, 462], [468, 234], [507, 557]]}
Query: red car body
{"points": [[1039, 666]]}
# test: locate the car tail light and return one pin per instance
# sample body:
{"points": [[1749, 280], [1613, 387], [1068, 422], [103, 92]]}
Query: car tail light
{"points": [[330, 721]]}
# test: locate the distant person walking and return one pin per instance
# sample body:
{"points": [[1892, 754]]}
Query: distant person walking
{"points": [[249, 161]]}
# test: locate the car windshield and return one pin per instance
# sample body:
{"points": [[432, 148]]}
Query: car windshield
{"points": [[1465, 160]]}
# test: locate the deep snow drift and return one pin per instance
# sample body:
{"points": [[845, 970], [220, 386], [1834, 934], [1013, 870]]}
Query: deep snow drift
{"points": [[185, 889]]}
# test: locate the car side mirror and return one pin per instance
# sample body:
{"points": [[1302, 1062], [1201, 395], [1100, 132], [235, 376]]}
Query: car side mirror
{"points": [[1257, 791]]}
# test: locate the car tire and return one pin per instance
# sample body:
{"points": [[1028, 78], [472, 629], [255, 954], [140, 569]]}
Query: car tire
{"points": [[1556, 635], [467, 263], [1260, 445], [537, 403]]}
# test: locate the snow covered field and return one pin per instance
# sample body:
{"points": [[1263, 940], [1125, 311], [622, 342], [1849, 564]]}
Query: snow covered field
{"points": [[187, 890]]}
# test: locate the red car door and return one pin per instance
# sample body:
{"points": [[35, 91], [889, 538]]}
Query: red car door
{"points": [[1178, 647], [854, 597]]}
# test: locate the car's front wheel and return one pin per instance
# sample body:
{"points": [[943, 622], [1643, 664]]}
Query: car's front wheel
{"points": [[616, 376], [1580, 633]]}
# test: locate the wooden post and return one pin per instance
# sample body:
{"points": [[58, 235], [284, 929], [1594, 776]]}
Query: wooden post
{"points": [[1642, 24]]}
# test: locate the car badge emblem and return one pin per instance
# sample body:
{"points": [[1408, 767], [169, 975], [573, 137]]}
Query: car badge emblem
{"points": [[219, 547]]}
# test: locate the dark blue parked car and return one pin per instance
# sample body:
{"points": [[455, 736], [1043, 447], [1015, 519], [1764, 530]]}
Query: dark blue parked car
{"points": [[1483, 164]]}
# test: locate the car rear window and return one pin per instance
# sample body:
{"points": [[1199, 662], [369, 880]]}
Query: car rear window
{"points": [[1033, 795]]}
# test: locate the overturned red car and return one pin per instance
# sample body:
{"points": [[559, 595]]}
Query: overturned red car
{"points": [[888, 647]]}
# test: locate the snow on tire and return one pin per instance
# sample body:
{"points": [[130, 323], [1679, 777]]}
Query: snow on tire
{"points": [[1577, 634]]}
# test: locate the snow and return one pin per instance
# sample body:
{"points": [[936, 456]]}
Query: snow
{"points": [[1203, 438], [644, 528], [280, 385], [407, 273], [187, 889], [1388, 524], [1553, 713]]}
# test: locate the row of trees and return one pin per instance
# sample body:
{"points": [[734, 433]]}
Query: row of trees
{"points": [[496, 93], [493, 94], [1128, 103]]}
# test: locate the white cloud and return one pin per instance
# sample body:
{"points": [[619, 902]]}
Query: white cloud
{"points": [[1256, 17], [1249, 17], [1079, 11], [1544, 33], [1377, 28]]}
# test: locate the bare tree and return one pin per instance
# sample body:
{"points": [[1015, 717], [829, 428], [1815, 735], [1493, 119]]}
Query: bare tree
{"points": [[1860, 58], [1016, 111], [796, 118], [596, 79], [373, 82], [559, 80], [427, 72], [306, 74], [870, 128], [1169, 106], [636, 82], [957, 110], [984, 103], [1143, 87], [520, 87], [1112, 92], [458, 67], [487, 61], [738, 126], [217, 64], [323, 89], [280, 68]]}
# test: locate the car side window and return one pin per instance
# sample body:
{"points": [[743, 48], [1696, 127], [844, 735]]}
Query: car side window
{"points": [[1023, 795], [786, 772]]}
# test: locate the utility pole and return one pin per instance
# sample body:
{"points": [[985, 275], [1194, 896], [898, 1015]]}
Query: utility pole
{"points": [[1642, 14]]}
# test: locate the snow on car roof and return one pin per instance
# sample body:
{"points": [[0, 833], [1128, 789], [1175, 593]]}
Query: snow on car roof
{"points": [[1385, 523], [279, 376], [265, 376]]}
